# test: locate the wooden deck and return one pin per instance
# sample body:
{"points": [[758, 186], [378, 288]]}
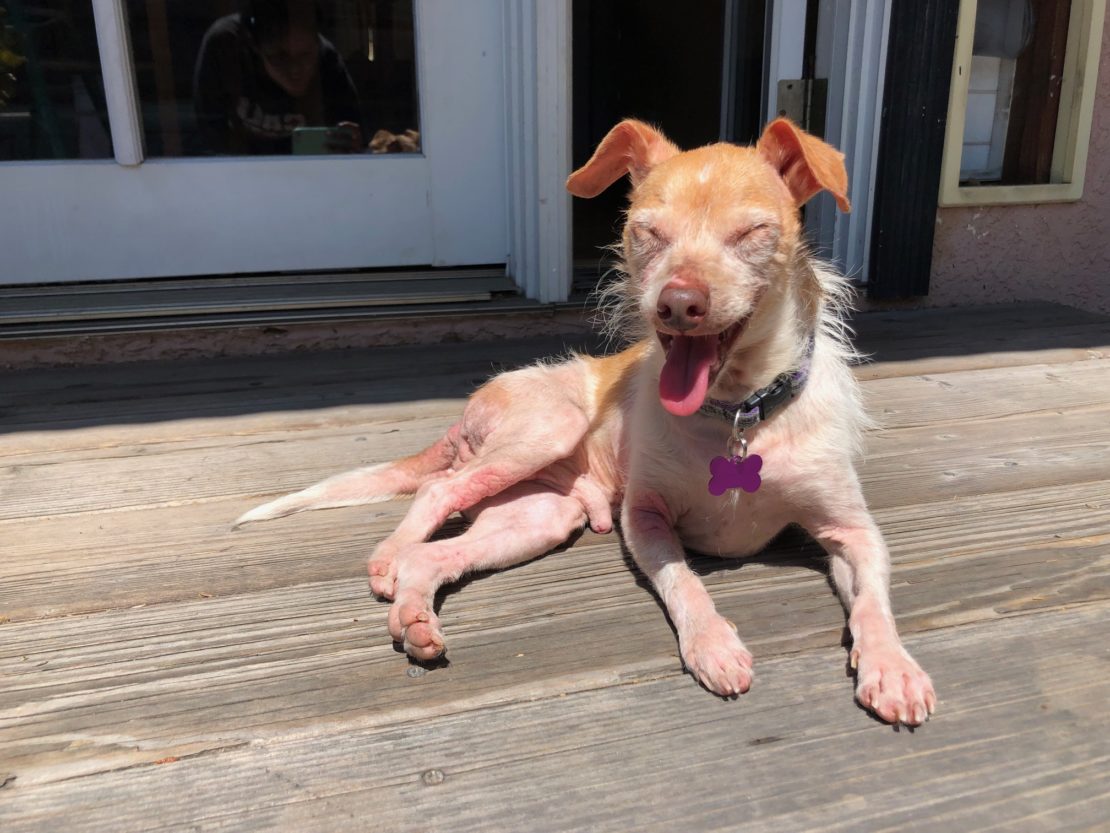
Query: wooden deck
{"points": [[158, 672]]}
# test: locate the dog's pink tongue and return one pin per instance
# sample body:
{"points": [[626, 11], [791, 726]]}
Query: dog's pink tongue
{"points": [[685, 377]]}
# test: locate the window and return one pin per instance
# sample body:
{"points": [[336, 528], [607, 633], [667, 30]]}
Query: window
{"points": [[52, 102], [1022, 96], [274, 77]]}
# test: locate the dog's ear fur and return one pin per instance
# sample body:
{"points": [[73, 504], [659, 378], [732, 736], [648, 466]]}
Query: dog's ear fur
{"points": [[631, 147], [805, 163]]}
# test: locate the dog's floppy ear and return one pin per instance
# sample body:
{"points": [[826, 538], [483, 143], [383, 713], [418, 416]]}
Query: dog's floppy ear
{"points": [[806, 164], [631, 147]]}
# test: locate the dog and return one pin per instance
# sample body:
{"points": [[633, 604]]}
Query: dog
{"points": [[386, 142], [733, 415]]}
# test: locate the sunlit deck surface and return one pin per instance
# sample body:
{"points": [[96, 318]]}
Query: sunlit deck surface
{"points": [[158, 672]]}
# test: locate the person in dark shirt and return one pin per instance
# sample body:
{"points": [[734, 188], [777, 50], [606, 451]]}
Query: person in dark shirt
{"points": [[266, 71]]}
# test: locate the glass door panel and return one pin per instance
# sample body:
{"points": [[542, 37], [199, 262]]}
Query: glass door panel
{"points": [[277, 135]]}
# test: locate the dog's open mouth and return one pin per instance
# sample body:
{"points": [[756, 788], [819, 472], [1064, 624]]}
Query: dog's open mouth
{"points": [[691, 365]]}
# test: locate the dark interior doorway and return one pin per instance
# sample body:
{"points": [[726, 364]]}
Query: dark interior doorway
{"points": [[695, 70]]}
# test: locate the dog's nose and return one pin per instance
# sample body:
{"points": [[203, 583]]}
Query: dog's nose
{"points": [[682, 307]]}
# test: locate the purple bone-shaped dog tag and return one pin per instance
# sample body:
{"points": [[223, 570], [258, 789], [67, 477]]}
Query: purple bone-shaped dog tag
{"points": [[734, 473]]}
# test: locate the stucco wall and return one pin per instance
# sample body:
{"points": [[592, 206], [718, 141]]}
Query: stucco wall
{"points": [[1053, 252]]}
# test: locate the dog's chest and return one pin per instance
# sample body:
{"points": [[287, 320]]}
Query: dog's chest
{"points": [[737, 522]]}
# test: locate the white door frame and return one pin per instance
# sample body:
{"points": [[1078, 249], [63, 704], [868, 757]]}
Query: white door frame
{"points": [[228, 215], [538, 78], [117, 65], [785, 50], [851, 54]]}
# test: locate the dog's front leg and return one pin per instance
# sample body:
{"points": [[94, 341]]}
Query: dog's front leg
{"points": [[888, 680], [710, 647]]}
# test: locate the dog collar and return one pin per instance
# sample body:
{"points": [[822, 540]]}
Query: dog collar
{"points": [[739, 470], [762, 404]]}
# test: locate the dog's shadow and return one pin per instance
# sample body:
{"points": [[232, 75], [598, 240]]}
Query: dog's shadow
{"points": [[455, 526], [791, 548]]}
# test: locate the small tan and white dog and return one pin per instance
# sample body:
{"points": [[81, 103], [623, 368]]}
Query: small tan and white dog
{"points": [[733, 415]]}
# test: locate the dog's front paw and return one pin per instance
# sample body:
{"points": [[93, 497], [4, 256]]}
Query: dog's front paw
{"points": [[718, 659], [890, 683]]}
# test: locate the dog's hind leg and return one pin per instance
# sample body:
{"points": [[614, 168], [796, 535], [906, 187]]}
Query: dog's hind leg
{"points": [[520, 447], [372, 484], [521, 523]]}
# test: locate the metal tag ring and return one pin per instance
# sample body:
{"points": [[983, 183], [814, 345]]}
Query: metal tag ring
{"points": [[738, 447]]}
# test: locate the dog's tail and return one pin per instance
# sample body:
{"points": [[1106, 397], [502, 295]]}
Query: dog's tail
{"points": [[372, 484]]}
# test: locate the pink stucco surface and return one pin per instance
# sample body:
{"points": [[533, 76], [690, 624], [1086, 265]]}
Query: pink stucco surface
{"points": [[1051, 252]]}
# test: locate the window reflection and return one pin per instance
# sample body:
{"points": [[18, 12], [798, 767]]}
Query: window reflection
{"points": [[1013, 99], [274, 77], [51, 89]]}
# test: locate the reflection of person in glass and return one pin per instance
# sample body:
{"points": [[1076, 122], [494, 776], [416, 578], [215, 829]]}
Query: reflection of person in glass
{"points": [[267, 71]]}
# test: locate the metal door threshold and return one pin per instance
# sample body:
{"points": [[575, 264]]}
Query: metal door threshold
{"points": [[252, 300]]}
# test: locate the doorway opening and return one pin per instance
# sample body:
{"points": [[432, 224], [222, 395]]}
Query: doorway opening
{"points": [[695, 71]]}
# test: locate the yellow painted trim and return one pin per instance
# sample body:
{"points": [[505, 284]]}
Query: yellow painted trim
{"points": [[1082, 109], [957, 105], [1073, 126], [1063, 151]]}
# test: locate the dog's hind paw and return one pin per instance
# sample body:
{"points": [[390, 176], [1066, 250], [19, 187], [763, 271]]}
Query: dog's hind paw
{"points": [[382, 568], [414, 624]]}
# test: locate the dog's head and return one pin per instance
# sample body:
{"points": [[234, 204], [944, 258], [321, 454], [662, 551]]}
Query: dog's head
{"points": [[712, 243]]}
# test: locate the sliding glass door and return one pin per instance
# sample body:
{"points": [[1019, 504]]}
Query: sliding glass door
{"points": [[153, 138]]}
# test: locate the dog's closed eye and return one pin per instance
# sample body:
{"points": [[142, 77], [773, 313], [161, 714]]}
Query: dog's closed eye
{"points": [[648, 241], [753, 239], [738, 237]]}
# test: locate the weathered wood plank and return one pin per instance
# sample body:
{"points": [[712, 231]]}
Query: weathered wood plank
{"points": [[129, 685], [93, 442], [149, 391], [902, 466], [63, 565], [913, 342], [897, 402], [903, 343], [934, 365], [992, 393], [963, 322], [959, 459], [1020, 740], [165, 474], [966, 328]]}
